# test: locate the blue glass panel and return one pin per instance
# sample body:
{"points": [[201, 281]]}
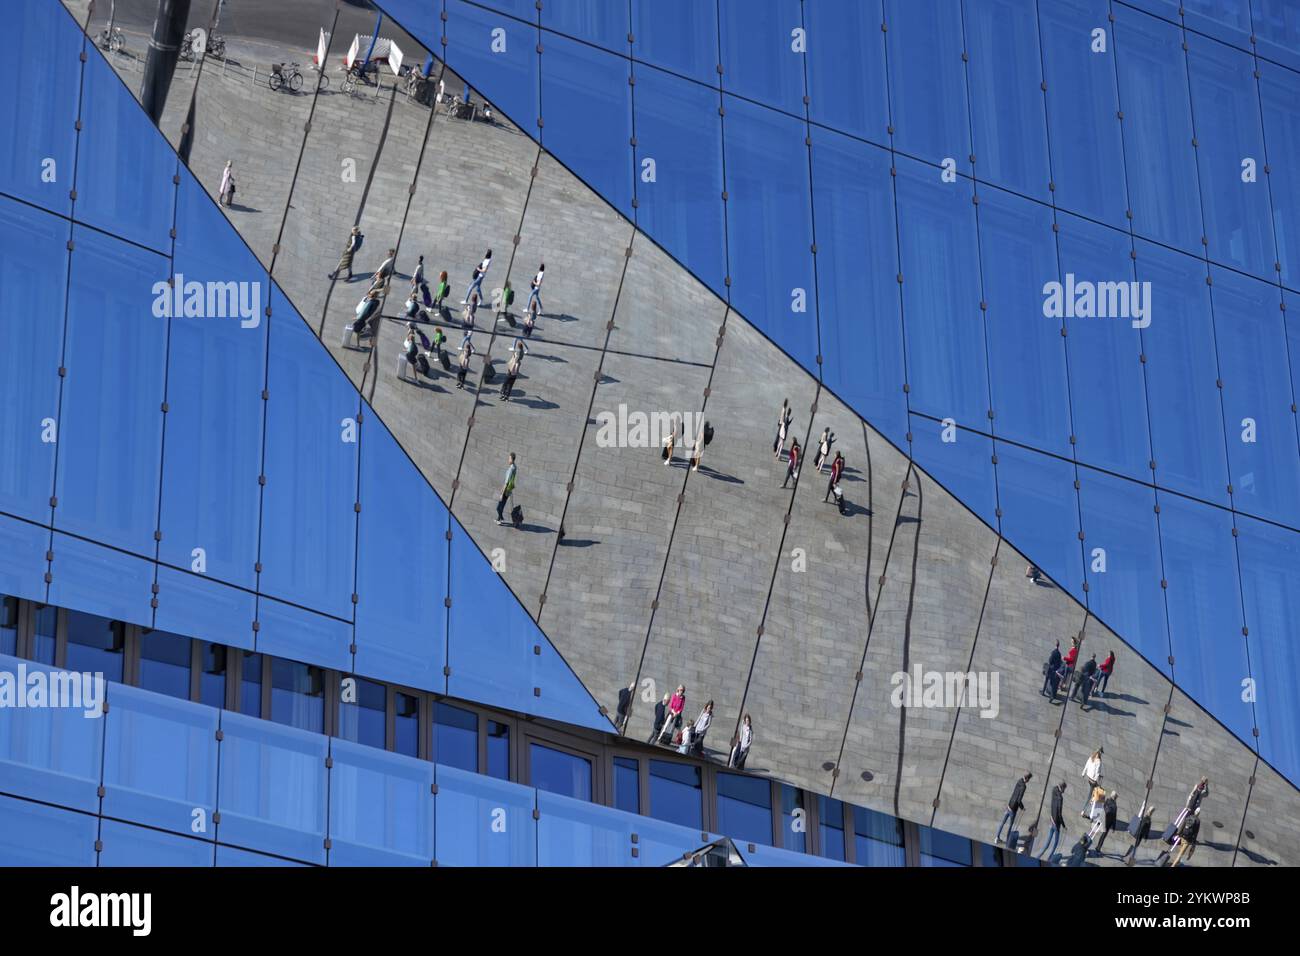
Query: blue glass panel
{"points": [[401, 625], [42, 104], [1026, 351], [362, 715], [1205, 609], [311, 470], [1270, 584], [95, 645], [1225, 102], [939, 848], [1040, 512], [288, 631], [498, 750], [1253, 364], [1160, 157], [675, 795], [794, 819], [165, 663], [126, 845], [250, 684], [508, 78], [491, 647], [48, 753], [273, 788], [1119, 517], [941, 295], [214, 672], [927, 80], [662, 843], [596, 21], [576, 833], [1277, 28], [35, 835], [160, 761], [761, 51], [110, 430], [381, 808], [678, 35], [769, 217], [877, 838], [1107, 392], [1087, 150], [1279, 91], [45, 629], [964, 466], [847, 86], [484, 822], [861, 328], [627, 784], [124, 166], [1226, 19], [422, 19], [1182, 368], [229, 856], [33, 266], [190, 604], [588, 113], [830, 814], [558, 772], [8, 625], [677, 126], [100, 581], [1008, 123], [22, 558], [772, 856], [455, 733], [213, 451], [297, 695], [745, 807]]}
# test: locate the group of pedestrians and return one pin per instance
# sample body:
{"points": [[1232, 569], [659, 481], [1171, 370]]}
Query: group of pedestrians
{"points": [[676, 435], [670, 727], [794, 456], [1093, 678]]}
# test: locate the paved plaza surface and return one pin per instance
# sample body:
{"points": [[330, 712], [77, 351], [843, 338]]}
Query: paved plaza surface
{"points": [[760, 596]]}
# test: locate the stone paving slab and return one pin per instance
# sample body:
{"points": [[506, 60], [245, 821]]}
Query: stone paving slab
{"points": [[1271, 835]]}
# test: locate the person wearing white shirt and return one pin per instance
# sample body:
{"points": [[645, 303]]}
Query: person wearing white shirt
{"points": [[1092, 774], [535, 296], [477, 284], [741, 750]]}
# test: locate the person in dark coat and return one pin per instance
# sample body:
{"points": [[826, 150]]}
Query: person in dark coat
{"points": [[1187, 838], [1139, 831], [661, 714], [1084, 685], [624, 705], [1014, 806], [1052, 675], [1057, 818], [1110, 812]]}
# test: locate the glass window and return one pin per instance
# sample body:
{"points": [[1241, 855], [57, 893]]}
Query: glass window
{"points": [[32, 244], [381, 808], [212, 674], [192, 604], [597, 21], [504, 73], [675, 793], [627, 784], [762, 55], [32, 834], [498, 750], [45, 631], [471, 831], [165, 663], [8, 625], [126, 845], [847, 87], [294, 632], [769, 222], [857, 283], [1040, 513], [990, 856], [745, 807], [1277, 24], [406, 727], [559, 772], [100, 580], [1008, 125], [794, 819], [22, 558], [877, 838], [1082, 108], [576, 833], [677, 35], [95, 645], [1160, 158], [250, 695], [361, 711], [939, 848], [588, 106], [964, 466], [401, 631], [830, 827], [928, 80], [1226, 103], [455, 737], [678, 127], [110, 425], [297, 695], [1279, 91]]}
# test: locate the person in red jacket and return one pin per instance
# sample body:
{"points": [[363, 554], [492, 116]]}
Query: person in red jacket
{"points": [[792, 470], [1107, 668], [837, 469], [1070, 657]]}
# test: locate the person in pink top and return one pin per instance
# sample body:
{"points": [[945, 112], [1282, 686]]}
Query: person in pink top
{"points": [[675, 707]]}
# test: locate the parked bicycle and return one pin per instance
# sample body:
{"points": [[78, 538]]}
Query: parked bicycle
{"points": [[285, 75], [112, 40], [192, 45], [216, 45]]}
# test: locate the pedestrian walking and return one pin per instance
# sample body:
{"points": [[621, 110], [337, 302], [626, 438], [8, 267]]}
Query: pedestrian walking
{"points": [[1052, 672], [1139, 829], [476, 282], [1185, 843], [673, 722], [1015, 804], [1107, 668], [702, 440], [740, 749], [1071, 656], [1056, 817], [792, 468], [385, 272], [535, 290], [417, 277], [1110, 813], [517, 353], [367, 314], [1084, 685], [1092, 774], [507, 488], [837, 470], [468, 316], [466, 353], [349, 250], [784, 417], [670, 440], [226, 194], [824, 449], [661, 715], [444, 289]]}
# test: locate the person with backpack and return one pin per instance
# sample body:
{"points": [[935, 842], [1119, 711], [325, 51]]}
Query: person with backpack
{"points": [[466, 352], [444, 290], [507, 488], [507, 300], [517, 353], [349, 250], [792, 469], [1015, 804], [535, 290], [1185, 842], [1139, 830], [1110, 813], [476, 282], [1056, 816]]}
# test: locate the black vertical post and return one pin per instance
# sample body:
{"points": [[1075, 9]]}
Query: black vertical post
{"points": [[164, 47]]}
